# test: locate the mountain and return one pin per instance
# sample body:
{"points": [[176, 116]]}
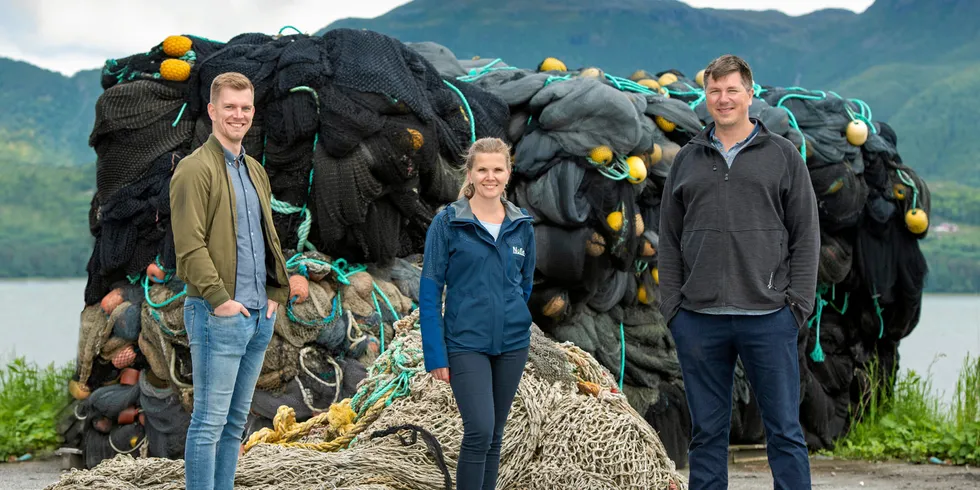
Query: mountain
{"points": [[46, 116]]}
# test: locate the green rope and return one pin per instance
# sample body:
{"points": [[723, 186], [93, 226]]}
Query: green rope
{"points": [[618, 169], [283, 207], [792, 117], [469, 111], [817, 355], [622, 355], [181, 113], [881, 320], [911, 183], [290, 27], [381, 320], [477, 73], [336, 310], [146, 295]]}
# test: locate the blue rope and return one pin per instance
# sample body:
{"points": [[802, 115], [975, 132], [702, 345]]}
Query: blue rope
{"points": [[622, 355]]}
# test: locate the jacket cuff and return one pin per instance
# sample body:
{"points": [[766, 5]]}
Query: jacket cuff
{"points": [[218, 297]]}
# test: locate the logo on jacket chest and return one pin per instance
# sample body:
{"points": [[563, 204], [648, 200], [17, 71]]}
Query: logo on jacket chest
{"points": [[519, 251]]}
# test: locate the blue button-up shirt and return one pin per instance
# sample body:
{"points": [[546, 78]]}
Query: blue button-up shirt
{"points": [[250, 273]]}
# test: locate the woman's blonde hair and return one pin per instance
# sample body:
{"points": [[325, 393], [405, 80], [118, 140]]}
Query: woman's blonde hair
{"points": [[482, 145]]}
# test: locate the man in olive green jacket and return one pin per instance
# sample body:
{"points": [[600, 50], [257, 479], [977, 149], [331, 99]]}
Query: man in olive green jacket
{"points": [[229, 256]]}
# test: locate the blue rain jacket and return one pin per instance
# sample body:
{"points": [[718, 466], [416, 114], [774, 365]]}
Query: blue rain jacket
{"points": [[487, 284]]}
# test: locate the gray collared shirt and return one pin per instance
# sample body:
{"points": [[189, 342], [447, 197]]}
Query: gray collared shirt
{"points": [[737, 147], [250, 273]]}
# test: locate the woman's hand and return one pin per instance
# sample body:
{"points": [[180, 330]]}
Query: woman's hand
{"points": [[442, 374]]}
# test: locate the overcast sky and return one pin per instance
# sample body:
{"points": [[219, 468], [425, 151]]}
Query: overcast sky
{"points": [[72, 35]]}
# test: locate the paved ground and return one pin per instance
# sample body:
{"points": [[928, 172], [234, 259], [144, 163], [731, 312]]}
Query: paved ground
{"points": [[826, 475]]}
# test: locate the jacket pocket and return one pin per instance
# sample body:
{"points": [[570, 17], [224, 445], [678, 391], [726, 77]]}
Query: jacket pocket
{"points": [[756, 268], [469, 322], [701, 251]]}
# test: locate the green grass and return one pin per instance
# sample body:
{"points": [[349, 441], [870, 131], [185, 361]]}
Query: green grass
{"points": [[30, 399], [911, 424]]}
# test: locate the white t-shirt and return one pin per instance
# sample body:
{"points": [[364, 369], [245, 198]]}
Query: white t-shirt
{"points": [[493, 228]]}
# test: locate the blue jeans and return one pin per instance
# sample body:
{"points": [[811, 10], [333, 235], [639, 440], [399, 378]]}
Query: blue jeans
{"points": [[707, 346], [484, 388], [226, 355]]}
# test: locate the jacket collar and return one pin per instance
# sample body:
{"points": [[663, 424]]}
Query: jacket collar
{"points": [[463, 212], [704, 137]]}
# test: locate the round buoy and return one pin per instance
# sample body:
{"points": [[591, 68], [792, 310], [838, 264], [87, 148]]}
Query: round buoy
{"points": [[601, 154], [648, 249], [299, 288], [417, 139], [916, 221], [638, 224], [656, 275], [591, 73], [637, 170], [596, 245], [177, 46], [699, 78], [112, 300], [656, 154], [615, 220], [664, 124], [650, 84], [554, 307], [667, 79], [639, 75], [900, 191], [124, 358], [641, 295], [552, 64], [175, 70], [78, 390], [155, 273], [857, 132]]}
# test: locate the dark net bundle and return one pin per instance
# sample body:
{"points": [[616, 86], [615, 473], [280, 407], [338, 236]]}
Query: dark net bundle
{"points": [[133, 231], [370, 62], [136, 123], [166, 420]]}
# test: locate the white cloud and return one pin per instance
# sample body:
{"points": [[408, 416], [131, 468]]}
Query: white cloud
{"points": [[70, 35], [790, 7]]}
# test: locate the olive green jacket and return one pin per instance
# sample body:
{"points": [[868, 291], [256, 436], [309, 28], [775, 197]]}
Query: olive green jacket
{"points": [[203, 218]]}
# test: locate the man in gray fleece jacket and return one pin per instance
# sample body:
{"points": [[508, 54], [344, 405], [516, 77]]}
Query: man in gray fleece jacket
{"points": [[738, 255]]}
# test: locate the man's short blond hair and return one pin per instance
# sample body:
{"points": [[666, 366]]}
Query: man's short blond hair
{"points": [[232, 80]]}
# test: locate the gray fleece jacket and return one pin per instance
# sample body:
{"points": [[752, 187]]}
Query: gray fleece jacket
{"points": [[746, 237]]}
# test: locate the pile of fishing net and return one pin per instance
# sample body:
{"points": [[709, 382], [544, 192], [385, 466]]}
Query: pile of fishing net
{"points": [[362, 140], [569, 428], [592, 150], [324, 339]]}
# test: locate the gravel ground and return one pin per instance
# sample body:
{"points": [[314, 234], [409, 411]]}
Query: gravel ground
{"points": [[826, 474]]}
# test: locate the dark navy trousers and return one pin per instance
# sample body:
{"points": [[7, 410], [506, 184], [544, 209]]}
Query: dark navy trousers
{"points": [[707, 347], [484, 388]]}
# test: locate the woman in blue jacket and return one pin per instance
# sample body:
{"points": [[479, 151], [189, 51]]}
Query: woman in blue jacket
{"points": [[481, 249]]}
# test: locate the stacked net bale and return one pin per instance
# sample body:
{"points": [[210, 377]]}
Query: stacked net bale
{"points": [[569, 428]]}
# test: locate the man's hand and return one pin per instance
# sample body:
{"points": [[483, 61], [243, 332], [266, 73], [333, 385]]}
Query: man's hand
{"points": [[271, 309], [442, 374], [231, 308]]}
